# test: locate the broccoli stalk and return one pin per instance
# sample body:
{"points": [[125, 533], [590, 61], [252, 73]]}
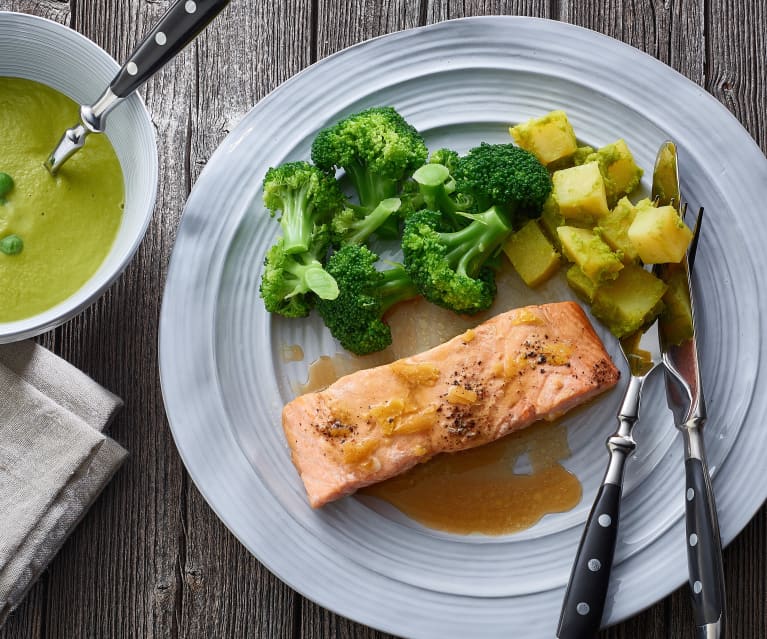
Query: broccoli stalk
{"points": [[365, 294], [371, 188], [437, 187], [394, 287], [306, 197], [290, 282], [451, 269], [378, 150], [354, 226]]}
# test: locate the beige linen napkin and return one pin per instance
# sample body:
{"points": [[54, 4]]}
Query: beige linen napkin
{"points": [[54, 459]]}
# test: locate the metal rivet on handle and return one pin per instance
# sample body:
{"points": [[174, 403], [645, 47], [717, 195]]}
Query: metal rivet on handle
{"points": [[605, 520], [690, 494], [582, 608], [190, 6], [131, 68], [594, 565], [160, 38], [693, 539], [697, 587]]}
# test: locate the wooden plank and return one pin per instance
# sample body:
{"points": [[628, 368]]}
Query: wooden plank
{"points": [[735, 70], [745, 567], [438, 10], [56, 10], [242, 56], [118, 574], [341, 23], [28, 620]]}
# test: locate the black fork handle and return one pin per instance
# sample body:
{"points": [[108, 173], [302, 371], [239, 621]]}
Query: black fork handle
{"points": [[586, 594]]}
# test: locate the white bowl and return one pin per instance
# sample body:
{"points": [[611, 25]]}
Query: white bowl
{"points": [[42, 50]]}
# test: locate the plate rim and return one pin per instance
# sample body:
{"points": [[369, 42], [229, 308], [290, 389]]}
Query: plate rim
{"points": [[225, 146]]}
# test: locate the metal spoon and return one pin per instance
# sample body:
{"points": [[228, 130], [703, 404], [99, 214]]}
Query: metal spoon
{"points": [[179, 26]]}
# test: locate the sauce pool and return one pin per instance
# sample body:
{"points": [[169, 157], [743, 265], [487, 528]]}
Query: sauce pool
{"points": [[496, 489]]}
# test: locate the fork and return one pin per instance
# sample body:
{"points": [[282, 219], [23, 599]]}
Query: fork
{"points": [[584, 600]]}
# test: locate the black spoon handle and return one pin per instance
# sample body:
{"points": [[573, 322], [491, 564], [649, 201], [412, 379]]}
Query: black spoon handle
{"points": [[704, 547], [584, 600], [180, 24]]}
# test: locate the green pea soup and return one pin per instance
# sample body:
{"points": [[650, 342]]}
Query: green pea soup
{"points": [[67, 223]]}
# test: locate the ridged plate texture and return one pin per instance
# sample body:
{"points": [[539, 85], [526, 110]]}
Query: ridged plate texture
{"points": [[224, 381]]}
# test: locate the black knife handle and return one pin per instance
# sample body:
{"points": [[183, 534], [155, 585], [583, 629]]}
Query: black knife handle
{"points": [[180, 24], [584, 600], [704, 547]]}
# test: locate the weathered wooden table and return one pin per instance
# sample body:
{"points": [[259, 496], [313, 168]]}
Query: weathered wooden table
{"points": [[151, 559]]}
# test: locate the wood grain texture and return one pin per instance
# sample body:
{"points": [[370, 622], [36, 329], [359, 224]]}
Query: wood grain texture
{"points": [[438, 10], [735, 55], [56, 10], [151, 559], [341, 23]]}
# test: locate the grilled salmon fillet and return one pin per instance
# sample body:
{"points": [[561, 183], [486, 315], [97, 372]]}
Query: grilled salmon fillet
{"points": [[520, 366]]}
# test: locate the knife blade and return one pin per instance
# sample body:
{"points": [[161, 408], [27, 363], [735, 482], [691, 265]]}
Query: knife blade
{"points": [[684, 395]]}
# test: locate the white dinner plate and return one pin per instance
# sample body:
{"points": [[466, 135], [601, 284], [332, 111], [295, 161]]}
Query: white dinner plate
{"points": [[224, 381]]}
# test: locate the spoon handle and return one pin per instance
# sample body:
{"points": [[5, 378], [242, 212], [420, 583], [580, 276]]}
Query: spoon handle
{"points": [[180, 24]]}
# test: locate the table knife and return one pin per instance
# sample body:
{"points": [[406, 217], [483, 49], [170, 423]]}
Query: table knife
{"points": [[684, 394]]}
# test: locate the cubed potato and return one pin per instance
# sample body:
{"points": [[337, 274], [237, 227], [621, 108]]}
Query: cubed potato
{"points": [[550, 220], [532, 254], [549, 138], [677, 314], [582, 285], [629, 302], [580, 192], [613, 229], [590, 253], [623, 173], [619, 170], [659, 235]]}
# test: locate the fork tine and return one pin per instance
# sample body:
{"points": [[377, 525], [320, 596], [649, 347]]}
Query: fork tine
{"points": [[695, 235]]}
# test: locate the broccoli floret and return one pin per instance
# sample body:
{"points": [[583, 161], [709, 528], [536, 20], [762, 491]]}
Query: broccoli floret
{"points": [[451, 269], [506, 176], [354, 226], [306, 196], [438, 190], [365, 294], [378, 150], [291, 282], [446, 157]]}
